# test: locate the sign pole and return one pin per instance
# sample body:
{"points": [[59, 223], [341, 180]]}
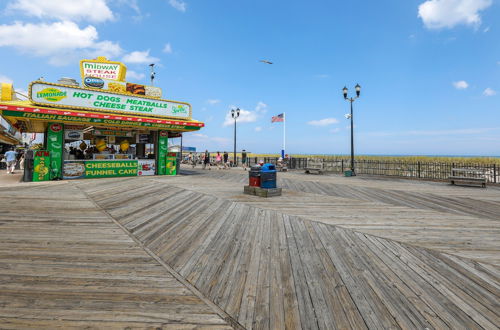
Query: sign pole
{"points": [[284, 135]]}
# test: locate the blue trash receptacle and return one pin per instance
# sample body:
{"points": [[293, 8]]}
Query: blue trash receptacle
{"points": [[268, 176]]}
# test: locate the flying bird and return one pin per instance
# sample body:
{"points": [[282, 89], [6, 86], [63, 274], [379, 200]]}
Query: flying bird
{"points": [[266, 61]]}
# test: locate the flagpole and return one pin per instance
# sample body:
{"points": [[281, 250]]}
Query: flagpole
{"points": [[284, 135]]}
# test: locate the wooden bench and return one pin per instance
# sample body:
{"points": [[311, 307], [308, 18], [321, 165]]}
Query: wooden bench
{"points": [[314, 166], [468, 176], [313, 170]]}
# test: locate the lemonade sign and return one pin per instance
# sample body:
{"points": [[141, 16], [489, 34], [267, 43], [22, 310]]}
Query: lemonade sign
{"points": [[51, 94]]}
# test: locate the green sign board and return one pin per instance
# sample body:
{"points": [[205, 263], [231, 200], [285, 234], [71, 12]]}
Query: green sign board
{"points": [[72, 97], [41, 165], [162, 151], [55, 145], [171, 160], [108, 169]]}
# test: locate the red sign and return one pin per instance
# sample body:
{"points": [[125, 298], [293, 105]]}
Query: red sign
{"points": [[42, 153], [163, 133], [93, 115], [56, 127]]}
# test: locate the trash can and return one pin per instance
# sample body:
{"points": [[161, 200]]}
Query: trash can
{"points": [[254, 176], [268, 176], [348, 173]]}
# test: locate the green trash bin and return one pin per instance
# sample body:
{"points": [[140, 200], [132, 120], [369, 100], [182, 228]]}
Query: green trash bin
{"points": [[348, 173]]}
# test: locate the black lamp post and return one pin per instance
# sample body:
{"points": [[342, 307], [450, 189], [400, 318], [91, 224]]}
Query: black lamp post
{"points": [[352, 99], [235, 113]]}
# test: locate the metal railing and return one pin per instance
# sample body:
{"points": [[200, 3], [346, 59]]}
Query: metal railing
{"points": [[414, 170]]}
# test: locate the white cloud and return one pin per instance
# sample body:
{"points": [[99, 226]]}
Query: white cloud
{"points": [[489, 92], [178, 4], [91, 10], [461, 84], [322, 76], [335, 130], [206, 142], [138, 57], [199, 135], [213, 101], [220, 140], [5, 79], [135, 75], [246, 116], [63, 42], [47, 39], [486, 29], [323, 122], [437, 14], [167, 48], [261, 107], [258, 129]]}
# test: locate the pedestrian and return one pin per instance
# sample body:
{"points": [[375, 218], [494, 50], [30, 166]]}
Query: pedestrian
{"points": [[244, 159], [226, 158], [194, 159], [206, 160], [218, 160], [21, 162], [10, 158]]}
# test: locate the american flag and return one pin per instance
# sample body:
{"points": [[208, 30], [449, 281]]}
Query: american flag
{"points": [[278, 118]]}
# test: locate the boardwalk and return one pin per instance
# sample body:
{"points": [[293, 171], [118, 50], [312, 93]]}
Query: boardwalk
{"points": [[192, 250]]}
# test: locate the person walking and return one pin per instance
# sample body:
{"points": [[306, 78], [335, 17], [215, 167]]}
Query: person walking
{"points": [[218, 160], [244, 159], [226, 158], [10, 158], [21, 162], [206, 160]]}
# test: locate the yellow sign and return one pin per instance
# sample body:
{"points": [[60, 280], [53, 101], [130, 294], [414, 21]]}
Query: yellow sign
{"points": [[102, 68], [51, 94], [6, 92]]}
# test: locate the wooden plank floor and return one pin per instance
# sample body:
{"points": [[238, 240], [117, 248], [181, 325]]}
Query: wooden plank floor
{"points": [[434, 196], [269, 269], [65, 264], [466, 235]]}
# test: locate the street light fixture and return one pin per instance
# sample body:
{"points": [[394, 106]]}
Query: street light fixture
{"points": [[352, 99], [235, 113]]}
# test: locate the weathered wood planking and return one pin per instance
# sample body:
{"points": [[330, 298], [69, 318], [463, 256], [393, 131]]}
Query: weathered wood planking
{"points": [[463, 235], [419, 195], [64, 264], [270, 270]]}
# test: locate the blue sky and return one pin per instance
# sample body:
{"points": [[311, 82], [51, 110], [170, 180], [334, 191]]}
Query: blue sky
{"points": [[429, 70]]}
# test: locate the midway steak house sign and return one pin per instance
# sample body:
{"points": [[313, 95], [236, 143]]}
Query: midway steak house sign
{"points": [[42, 93], [101, 70]]}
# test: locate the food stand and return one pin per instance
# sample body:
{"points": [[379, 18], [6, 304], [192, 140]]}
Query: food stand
{"points": [[106, 127]]}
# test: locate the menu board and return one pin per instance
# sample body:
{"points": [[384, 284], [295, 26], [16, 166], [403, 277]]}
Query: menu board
{"points": [[81, 169], [72, 97], [146, 167]]}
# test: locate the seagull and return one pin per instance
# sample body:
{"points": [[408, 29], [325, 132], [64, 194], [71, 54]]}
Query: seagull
{"points": [[266, 61]]}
